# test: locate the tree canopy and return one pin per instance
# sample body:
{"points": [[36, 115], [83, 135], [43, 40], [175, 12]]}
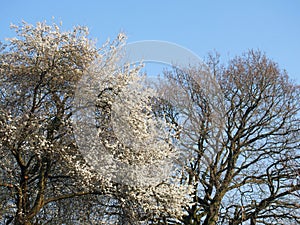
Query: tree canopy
{"points": [[236, 124]]}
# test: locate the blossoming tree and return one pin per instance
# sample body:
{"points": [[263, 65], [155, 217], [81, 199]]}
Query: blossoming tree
{"points": [[45, 176]]}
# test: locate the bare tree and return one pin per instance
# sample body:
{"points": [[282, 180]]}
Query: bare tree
{"points": [[243, 139]]}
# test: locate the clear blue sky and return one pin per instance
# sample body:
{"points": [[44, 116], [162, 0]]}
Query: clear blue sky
{"points": [[229, 27]]}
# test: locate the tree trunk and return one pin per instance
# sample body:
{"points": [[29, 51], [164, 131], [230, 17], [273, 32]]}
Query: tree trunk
{"points": [[20, 220], [252, 220], [213, 215]]}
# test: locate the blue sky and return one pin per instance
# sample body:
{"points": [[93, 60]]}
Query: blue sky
{"points": [[229, 27]]}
